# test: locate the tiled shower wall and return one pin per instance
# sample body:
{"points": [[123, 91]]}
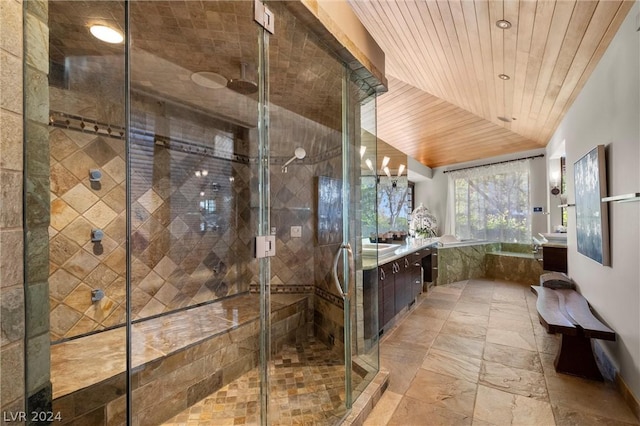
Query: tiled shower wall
{"points": [[192, 235], [302, 264], [79, 206], [192, 220], [12, 304]]}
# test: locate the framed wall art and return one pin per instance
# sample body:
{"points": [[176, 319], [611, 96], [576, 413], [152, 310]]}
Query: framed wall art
{"points": [[592, 218]]}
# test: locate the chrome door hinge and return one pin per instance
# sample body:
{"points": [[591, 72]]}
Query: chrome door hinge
{"points": [[265, 246], [264, 16]]}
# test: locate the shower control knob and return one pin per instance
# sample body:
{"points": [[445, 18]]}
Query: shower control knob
{"points": [[97, 295], [97, 235], [95, 175]]}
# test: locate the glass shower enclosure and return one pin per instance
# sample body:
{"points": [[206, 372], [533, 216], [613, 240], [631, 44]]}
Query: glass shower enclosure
{"points": [[204, 239]]}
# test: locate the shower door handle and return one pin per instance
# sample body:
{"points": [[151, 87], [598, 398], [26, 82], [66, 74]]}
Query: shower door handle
{"points": [[336, 259]]}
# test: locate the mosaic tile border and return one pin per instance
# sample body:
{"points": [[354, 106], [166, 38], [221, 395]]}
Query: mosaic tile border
{"points": [[85, 125], [329, 297], [285, 289], [175, 144]]}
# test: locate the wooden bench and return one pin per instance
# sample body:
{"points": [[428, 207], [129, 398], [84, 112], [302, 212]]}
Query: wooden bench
{"points": [[567, 312]]}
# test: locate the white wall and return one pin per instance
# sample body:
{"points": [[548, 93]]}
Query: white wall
{"points": [[433, 192], [538, 195], [553, 166], [607, 111]]}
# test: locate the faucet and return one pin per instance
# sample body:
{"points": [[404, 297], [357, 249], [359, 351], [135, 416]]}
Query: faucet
{"points": [[537, 245]]}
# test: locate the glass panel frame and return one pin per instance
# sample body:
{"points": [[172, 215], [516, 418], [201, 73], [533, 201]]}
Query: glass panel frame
{"points": [[164, 138]]}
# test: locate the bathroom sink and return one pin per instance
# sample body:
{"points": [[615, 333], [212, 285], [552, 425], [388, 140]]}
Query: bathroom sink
{"points": [[378, 249], [555, 237]]}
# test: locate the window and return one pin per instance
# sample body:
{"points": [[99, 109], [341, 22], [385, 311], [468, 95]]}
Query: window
{"points": [[492, 202], [411, 199], [393, 210]]}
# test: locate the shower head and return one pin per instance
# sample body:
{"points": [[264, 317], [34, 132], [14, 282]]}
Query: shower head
{"points": [[299, 153], [242, 85]]}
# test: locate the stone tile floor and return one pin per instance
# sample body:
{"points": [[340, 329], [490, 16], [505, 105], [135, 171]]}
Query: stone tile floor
{"points": [[307, 387], [474, 353]]}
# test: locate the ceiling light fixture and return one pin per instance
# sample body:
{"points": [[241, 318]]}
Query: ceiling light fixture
{"points": [[503, 24], [106, 34], [504, 77]]}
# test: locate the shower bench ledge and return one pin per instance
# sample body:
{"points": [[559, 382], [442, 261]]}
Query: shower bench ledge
{"points": [[201, 347]]}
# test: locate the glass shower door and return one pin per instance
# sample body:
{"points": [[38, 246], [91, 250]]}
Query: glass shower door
{"points": [[179, 145], [313, 137], [193, 192]]}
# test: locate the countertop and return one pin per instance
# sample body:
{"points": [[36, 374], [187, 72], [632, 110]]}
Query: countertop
{"points": [[402, 250], [555, 244]]}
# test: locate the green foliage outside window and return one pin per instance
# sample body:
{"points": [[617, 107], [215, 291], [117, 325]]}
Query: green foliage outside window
{"points": [[493, 206]]}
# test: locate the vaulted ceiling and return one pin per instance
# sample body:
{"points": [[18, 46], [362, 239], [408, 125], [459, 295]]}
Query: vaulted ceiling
{"points": [[446, 103]]}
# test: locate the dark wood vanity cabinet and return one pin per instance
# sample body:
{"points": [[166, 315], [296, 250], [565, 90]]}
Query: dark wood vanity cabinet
{"points": [[554, 258], [398, 284], [430, 265], [402, 284], [386, 292], [416, 272], [434, 266]]}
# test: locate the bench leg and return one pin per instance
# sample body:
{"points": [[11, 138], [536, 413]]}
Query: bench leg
{"points": [[575, 357]]}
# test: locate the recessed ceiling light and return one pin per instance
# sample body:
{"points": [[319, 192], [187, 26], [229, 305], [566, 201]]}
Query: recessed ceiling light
{"points": [[505, 119], [503, 24], [210, 80], [106, 34], [504, 77]]}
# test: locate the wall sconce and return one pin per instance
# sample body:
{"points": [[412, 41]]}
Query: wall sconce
{"points": [[385, 162], [363, 149], [201, 173], [555, 190], [400, 170], [369, 163], [387, 171]]}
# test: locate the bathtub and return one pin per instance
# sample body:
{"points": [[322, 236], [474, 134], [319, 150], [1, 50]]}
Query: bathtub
{"points": [[453, 241]]}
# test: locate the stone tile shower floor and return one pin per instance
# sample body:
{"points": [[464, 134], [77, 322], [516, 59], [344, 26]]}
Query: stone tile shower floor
{"points": [[307, 388], [474, 353]]}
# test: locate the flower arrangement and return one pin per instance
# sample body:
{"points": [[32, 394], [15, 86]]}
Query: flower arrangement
{"points": [[423, 223], [425, 232]]}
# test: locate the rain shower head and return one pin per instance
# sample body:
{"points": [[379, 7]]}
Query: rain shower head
{"points": [[299, 154], [242, 85]]}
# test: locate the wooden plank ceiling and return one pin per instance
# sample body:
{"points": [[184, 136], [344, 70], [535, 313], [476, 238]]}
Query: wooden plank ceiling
{"points": [[446, 103]]}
